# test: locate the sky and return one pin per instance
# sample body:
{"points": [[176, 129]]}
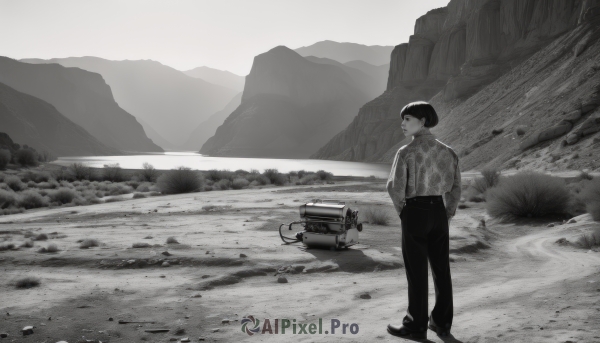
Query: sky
{"points": [[185, 34]]}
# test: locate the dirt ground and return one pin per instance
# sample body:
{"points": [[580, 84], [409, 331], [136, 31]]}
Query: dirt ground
{"points": [[511, 282]]}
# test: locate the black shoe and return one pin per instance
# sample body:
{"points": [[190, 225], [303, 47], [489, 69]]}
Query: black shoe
{"points": [[438, 330], [402, 331]]}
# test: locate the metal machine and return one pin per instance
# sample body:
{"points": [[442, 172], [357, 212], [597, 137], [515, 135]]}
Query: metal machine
{"points": [[327, 224]]}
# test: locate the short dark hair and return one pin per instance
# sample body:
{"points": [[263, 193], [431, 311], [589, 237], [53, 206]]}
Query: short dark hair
{"points": [[421, 109]]}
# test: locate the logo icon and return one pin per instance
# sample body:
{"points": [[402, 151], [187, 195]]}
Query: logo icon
{"points": [[250, 320]]}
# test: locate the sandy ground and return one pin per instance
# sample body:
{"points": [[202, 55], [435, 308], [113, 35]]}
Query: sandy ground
{"points": [[511, 282]]}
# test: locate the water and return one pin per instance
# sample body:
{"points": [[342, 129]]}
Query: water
{"points": [[171, 160]]}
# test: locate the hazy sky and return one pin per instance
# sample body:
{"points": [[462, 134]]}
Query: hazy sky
{"points": [[222, 34]]}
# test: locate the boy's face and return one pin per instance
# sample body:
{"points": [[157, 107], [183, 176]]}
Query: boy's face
{"points": [[411, 125]]}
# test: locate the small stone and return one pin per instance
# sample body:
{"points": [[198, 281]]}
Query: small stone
{"points": [[28, 330], [215, 330], [185, 339], [162, 276], [225, 321], [166, 253], [551, 225], [197, 296], [365, 296], [173, 339], [201, 338], [243, 255], [130, 261], [572, 221], [110, 319], [207, 252], [165, 264], [3, 335], [282, 279]]}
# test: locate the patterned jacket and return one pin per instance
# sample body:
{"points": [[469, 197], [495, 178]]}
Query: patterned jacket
{"points": [[425, 166]]}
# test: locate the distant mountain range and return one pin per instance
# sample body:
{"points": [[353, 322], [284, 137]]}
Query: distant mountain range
{"points": [[290, 107], [218, 77], [170, 103], [346, 52], [81, 96], [37, 123]]}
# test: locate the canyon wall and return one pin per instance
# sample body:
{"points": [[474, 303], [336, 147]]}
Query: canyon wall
{"points": [[455, 52]]}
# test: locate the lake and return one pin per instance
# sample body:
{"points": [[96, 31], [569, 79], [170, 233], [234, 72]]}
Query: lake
{"points": [[171, 160]]}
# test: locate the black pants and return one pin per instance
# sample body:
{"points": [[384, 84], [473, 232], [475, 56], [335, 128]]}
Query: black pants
{"points": [[425, 236]]}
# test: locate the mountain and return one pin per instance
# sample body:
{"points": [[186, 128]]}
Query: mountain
{"points": [[35, 122], [473, 60], [218, 77], [171, 102], [379, 72], [290, 106], [346, 52], [207, 128], [369, 80], [81, 96]]}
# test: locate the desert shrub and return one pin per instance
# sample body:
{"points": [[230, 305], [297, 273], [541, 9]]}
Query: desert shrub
{"points": [[31, 199], [307, 179], [14, 182], [11, 210], [7, 246], [144, 187], [50, 248], [52, 184], [62, 174], [26, 157], [28, 243], [222, 184], [112, 172], [138, 195], [118, 188], [27, 282], [280, 179], [216, 175], [301, 173], [208, 188], [180, 180], [240, 183], [41, 237], [241, 172], [7, 198], [258, 179], [80, 171], [528, 194], [148, 173], [375, 215], [324, 175], [583, 175], [5, 158], [155, 193], [36, 176], [589, 240], [489, 178], [62, 195], [88, 243], [45, 156], [272, 174], [590, 196], [172, 240], [133, 183]]}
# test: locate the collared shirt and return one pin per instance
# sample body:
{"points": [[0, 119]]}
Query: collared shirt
{"points": [[425, 166]]}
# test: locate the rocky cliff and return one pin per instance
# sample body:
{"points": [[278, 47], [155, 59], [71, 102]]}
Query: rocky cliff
{"points": [[81, 96], [454, 53], [32, 121], [289, 108]]}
